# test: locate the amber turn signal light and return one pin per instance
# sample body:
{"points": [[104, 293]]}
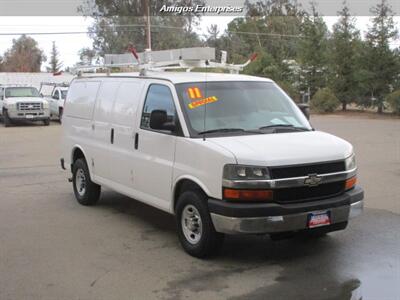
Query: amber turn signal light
{"points": [[350, 183], [249, 195]]}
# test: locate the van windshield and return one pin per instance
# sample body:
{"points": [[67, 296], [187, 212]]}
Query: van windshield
{"points": [[244, 107], [21, 92]]}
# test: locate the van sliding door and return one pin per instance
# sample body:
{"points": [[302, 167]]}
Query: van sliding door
{"points": [[123, 155], [101, 128]]}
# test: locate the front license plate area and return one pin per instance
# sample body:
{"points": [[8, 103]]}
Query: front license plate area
{"points": [[318, 219], [29, 116]]}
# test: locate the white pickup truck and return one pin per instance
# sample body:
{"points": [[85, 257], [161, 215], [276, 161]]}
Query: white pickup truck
{"points": [[22, 103], [56, 97]]}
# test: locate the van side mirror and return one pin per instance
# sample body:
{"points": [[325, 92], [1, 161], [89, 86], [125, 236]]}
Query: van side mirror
{"points": [[159, 121], [305, 109]]}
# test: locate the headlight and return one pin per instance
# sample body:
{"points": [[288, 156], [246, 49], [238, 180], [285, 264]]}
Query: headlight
{"points": [[45, 104], [243, 172], [350, 162]]}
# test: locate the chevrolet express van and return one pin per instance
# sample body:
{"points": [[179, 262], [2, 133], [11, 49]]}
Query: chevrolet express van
{"points": [[224, 153]]}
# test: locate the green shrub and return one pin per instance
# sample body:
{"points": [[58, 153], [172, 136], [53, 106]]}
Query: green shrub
{"points": [[394, 101], [324, 100]]}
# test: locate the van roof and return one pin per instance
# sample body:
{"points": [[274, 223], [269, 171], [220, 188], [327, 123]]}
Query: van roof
{"points": [[183, 77]]}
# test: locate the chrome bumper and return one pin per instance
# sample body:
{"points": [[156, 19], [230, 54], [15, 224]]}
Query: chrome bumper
{"points": [[274, 224], [356, 209], [29, 115]]}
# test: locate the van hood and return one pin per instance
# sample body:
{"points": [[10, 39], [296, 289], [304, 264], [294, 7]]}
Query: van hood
{"points": [[280, 149]]}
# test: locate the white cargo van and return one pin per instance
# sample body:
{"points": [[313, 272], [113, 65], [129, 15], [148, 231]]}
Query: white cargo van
{"points": [[224, 153]]}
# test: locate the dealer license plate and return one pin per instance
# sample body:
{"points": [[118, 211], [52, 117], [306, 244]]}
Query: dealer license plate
{"points": [[317, 219]]}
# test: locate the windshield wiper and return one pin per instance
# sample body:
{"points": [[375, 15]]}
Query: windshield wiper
{"points": [[221, 130], [289, 126]]}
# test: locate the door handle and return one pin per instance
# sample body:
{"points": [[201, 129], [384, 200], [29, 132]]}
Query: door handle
{"points": [[112, 136], [136, 140]]}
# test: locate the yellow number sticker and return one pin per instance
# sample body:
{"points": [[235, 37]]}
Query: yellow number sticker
{"points": [[202, 102]]}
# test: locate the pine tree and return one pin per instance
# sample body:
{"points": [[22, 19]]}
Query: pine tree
{"points": [[55, 64], [381, 61], [313, 51], [345, 40]]}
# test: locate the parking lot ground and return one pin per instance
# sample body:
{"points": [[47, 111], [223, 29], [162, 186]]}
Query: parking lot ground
{"points": [[53, 248]]}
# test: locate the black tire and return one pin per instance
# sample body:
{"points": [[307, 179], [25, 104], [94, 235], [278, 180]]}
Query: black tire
{"points": [[209, 241], [60, 113], [6, 119], [46, 122], [88, 193]]}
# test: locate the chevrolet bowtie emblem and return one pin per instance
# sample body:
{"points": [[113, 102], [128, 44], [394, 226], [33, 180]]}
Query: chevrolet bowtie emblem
{"points": [[312, 180]]}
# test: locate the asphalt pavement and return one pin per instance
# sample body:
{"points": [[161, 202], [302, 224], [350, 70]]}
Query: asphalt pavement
{"points": [[53, 248]]}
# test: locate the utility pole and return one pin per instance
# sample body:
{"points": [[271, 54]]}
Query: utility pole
{"points": [[146, 13]]}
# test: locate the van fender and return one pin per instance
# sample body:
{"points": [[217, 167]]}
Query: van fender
{"points": [[187, 177], [84, 155]]}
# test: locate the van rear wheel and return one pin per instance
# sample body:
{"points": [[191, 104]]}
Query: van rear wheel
{"points": [[195, 228], [86, 192]]}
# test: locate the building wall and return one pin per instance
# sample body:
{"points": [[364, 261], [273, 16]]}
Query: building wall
{"points": [[33, 79]]}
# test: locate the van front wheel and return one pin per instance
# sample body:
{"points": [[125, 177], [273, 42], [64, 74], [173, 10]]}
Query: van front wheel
{"points": [[86, 192], [6, 119], [195, 228]]}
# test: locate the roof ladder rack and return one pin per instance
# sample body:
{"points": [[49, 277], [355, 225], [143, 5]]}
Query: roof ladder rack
{"points": [[184, 58]]}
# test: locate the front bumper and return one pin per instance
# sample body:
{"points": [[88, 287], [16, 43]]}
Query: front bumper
{"points": [[254, 218], [32, 115], [29, 117]]}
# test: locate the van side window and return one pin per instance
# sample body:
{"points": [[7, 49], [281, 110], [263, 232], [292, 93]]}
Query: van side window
{"points": [[159, 98]]}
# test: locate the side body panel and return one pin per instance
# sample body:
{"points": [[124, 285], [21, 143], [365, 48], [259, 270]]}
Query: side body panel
{"points": [[77, 120], [101, 128], [123, 121]]}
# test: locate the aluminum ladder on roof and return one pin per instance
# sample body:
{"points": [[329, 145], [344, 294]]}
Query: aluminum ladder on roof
{"points": [[184, 58]]}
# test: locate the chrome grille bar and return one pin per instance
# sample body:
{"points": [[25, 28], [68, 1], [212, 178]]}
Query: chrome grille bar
{"points": [[24, 106]]}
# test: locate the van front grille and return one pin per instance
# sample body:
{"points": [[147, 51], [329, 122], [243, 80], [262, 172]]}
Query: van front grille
{"points": [[307, 193], [29, 106], [307, 169]]}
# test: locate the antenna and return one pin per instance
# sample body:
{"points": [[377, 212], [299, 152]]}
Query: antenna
{"points": [[205, 105]]}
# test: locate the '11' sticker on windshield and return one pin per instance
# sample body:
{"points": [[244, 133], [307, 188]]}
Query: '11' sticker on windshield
{"points": [[194, 93], [202, 102]]}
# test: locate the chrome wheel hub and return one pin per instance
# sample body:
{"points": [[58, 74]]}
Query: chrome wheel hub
{"points": [[192, 226], [80, 182]]}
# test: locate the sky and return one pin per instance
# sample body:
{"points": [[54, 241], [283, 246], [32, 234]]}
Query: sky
{"points": [[69, 45]]}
